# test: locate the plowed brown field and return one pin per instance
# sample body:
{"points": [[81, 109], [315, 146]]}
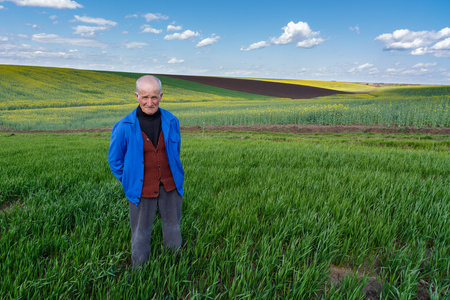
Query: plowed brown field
{"points": [[266, 88]]}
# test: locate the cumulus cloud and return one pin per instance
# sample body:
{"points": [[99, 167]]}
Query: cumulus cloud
{"points": [[257, 45], [175, 61], [2, 7], [135, 45], [309, 43], [59, 4], [148, 29], [185, 35], [131, 16], [56, 39], [299, 33], [96, 21], [174, 28], [208, 41], [153, 17], [442, 45], [418, 42]]}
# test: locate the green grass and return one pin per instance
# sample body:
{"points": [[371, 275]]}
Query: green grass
{"points": [[265, 216]]}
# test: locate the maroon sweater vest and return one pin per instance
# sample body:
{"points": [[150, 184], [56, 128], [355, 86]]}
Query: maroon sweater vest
{"points": [[156, 168]]}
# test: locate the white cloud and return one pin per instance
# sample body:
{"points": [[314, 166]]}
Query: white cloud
{"points": [[442, 45], [355, 29], [364, 67], [34, 26], [309, 43], [175, 61], [55, 39], [299, 32], [392, 70], [135, 45], [413, 71], [152, 17], [208, 41], [59, 4], [239, 73], [421, 65], [88, 31], [3, 39], [418, 42], [96, 21], [174, 28], [53, 17], [148, 29], [185, 35], [294, 32], [420, 51], [131, 16], [28, 52], [2, 7], [257, 45]]}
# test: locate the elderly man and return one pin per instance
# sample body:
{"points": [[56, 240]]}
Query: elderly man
{"points": [[144, 155]]}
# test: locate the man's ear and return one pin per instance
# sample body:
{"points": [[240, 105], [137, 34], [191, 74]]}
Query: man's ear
{"points": [[137, 96]]}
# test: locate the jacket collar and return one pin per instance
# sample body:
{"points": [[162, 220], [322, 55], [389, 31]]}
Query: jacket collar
{"points": [[132, 117], [166, 118]]}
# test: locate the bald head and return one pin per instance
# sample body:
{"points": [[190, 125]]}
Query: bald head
{"points": [[148, 93], [147, 80]]}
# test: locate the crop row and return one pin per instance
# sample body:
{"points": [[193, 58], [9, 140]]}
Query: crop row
{"points": [[334, 110]]}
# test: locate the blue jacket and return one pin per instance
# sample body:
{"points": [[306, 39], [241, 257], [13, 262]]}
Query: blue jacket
{"points": [[126, 153]]}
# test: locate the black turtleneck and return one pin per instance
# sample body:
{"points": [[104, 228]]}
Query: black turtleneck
{"points": [[150, 124]]}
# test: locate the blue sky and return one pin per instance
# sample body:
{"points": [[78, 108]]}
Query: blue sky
{"points": [[356, 41]]}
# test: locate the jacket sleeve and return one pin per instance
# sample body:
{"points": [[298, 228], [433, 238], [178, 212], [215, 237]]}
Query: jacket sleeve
{"points": [[117, 150], [179, 139]]}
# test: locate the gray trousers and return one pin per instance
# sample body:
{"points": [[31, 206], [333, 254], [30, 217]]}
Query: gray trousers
{"points": [[142, 217]]}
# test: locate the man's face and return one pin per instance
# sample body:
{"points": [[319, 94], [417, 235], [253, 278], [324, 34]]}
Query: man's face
{"points": [[149, 96]]}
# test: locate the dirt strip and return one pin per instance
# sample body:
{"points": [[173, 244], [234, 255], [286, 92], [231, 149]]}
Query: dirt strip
{"points": [[290, 128]]}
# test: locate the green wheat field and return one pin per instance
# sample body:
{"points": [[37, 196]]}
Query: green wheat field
{"points": [[265, 215]]}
